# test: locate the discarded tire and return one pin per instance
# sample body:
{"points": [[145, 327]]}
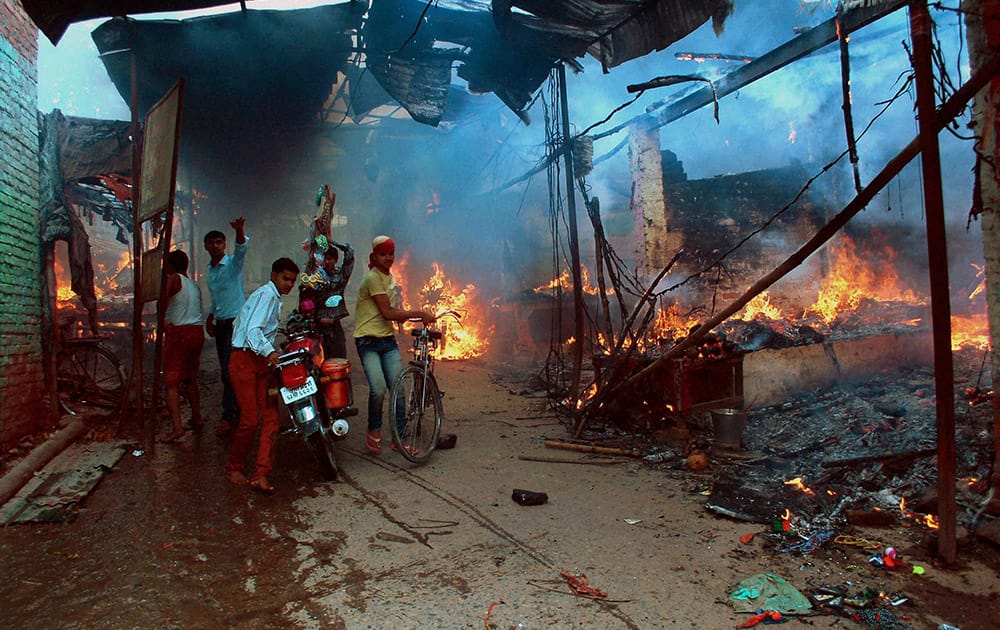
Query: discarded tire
{"points": [[527, 497]]}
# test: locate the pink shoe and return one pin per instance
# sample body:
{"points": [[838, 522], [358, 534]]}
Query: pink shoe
{"points": [[373, 442]]}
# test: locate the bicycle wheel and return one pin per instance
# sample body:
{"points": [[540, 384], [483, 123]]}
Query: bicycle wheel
{"points": [[416, 436], [90, 375]]}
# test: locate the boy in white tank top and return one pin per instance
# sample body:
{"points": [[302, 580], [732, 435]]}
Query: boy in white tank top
{"points": [[183, 341]]}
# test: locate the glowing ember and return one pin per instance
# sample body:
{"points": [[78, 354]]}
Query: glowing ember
{"points": [[851, 279], [797, 483]]}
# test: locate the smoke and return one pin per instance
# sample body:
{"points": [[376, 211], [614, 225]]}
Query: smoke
{"points": [[425, 186]]}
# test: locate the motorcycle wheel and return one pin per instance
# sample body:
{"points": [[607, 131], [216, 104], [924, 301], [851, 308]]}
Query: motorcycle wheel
{"points": [[321, 445]]}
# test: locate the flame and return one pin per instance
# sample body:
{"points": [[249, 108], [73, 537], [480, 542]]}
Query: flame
{"points": [[970, 331], [470, 338], [797, 483], [587, 395], [760, 306], [787, 516], [671, 324], [928, 520], [565, 283], [852, 279]]}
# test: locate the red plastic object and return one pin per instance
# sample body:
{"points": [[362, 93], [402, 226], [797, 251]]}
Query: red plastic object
{"points": [[336, 388], [294, 375]]}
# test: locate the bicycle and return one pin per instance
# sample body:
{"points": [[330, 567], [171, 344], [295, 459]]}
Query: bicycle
{"points": [[88, 373], [418, 391]]}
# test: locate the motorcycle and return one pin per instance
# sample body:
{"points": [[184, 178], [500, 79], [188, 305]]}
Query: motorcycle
{"points": [[316, 393]]}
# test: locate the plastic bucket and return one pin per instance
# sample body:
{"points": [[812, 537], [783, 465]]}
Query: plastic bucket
{"points": [[336, 386], [728, 426]]}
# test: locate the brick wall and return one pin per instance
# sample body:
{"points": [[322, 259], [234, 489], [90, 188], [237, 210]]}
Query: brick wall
{"points": [[22, 382]]}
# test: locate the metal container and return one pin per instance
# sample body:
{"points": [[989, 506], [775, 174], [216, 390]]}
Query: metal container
{"points": [[727, 427]]}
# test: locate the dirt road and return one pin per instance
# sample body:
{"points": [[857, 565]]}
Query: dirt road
{"points": [[165, 541]]}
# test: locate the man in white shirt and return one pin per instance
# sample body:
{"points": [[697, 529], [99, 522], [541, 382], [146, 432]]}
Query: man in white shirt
{"points": [[253, 356]]}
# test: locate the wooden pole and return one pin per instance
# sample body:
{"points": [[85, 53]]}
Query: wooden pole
{"points": [[937, 259], [574, 241], [845, 85], [135, 381]]}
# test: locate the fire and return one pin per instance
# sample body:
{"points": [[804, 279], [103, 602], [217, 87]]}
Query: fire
{"points": [[64, 292], [797, 483], [928, 520], [760, 306], [851, 279], [670, 323], [565, 283], [971, 332], [465, 340]]}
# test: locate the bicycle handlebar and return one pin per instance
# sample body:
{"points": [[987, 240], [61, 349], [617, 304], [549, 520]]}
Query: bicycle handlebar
{"points": [[453, 313]]}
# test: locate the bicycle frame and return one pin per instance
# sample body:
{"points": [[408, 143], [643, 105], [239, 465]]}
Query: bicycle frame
{"points": [[417, 390]]}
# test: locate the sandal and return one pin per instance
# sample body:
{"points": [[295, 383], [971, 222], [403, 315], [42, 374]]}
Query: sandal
{"points": [[373, 441], [236, 478]]}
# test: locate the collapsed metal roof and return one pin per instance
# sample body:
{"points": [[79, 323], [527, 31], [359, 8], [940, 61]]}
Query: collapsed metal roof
{"points": [[251, 62]]}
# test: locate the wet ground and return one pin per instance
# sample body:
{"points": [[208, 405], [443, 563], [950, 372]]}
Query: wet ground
{"points": [[165, 541]]}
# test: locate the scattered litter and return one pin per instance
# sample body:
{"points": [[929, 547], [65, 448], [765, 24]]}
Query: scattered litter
{"points": [[447, 440], [579, 584], [879, 618], [662, 456], [489, 611], [527, 497], [767, 616], [745, 593], [746, 538], [633, 521], [774, 593], [812, 543], [138, 452], [863, 543], [918, 570]]}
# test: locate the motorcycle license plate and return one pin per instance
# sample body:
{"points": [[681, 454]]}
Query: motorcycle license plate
{"points": [[290, 395]]}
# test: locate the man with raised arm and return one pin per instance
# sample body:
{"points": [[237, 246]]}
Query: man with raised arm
{"points": [[225, 288]]}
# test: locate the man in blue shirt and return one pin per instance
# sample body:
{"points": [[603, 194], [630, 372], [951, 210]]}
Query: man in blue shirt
{"points": [[225, 287]]}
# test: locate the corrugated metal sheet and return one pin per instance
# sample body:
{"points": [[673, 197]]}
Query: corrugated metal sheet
{"points": [[247, 60]]}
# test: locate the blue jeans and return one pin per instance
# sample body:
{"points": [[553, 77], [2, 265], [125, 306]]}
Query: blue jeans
{"points": [[224, 347], [382, 363]]}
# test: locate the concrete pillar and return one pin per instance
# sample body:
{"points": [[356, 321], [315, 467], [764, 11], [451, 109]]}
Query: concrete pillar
{"points": [[655, 245]]}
